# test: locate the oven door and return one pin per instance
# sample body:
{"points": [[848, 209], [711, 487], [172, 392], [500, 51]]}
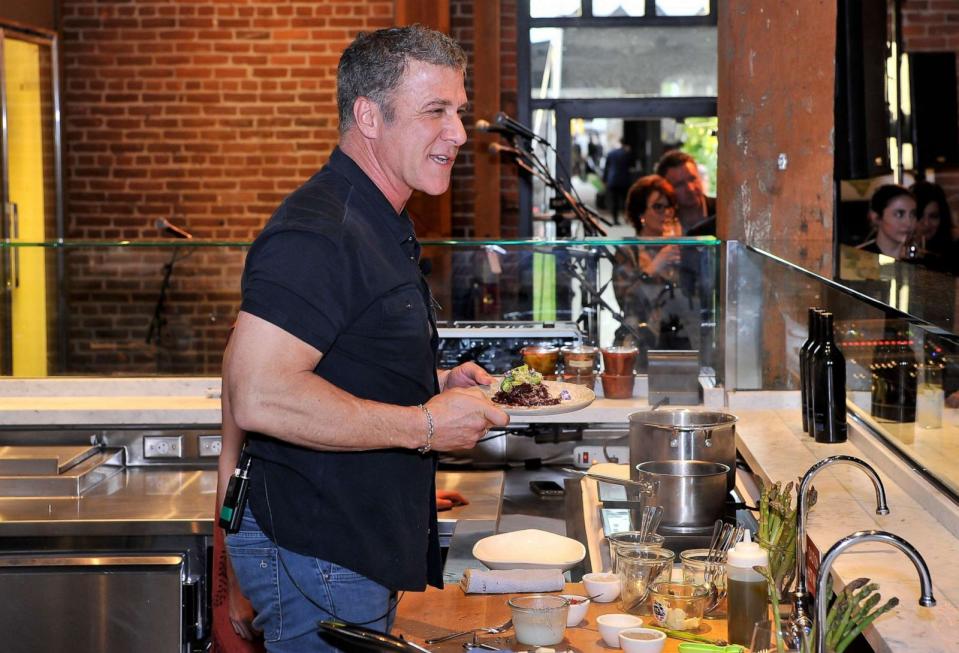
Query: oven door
{"points": [[95, 603]]}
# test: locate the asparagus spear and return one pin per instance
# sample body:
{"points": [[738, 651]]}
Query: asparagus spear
{"points": [[862, 625]]}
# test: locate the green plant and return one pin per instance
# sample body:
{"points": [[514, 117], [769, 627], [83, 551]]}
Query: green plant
{"points": [[777, 531], [699, 141]]}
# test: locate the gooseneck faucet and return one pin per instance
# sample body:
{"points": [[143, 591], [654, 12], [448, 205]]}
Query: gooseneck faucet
{"points": [[926, 600], [801, 596]]}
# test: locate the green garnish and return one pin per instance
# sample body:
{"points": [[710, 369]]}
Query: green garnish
{"points": [[519, 376]]}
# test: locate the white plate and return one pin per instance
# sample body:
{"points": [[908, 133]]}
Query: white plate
{"points": [[580, 397], [529, 549]]}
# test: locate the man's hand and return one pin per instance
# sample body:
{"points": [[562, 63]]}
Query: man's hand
{"points": [[461, 416], [466, 376], [446, 499]]}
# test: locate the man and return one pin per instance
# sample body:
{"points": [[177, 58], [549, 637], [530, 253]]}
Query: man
{"points": [[696, 212], [331, 367], [618, 176]]}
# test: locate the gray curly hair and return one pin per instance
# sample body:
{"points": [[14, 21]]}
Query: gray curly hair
{"points": [[373, 65]]}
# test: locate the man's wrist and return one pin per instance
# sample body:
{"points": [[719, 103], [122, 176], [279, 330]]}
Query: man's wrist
{"points": [[430, 430]]}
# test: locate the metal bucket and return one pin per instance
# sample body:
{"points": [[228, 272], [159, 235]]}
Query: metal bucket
{"points": [[683, 434], [691, 492]]}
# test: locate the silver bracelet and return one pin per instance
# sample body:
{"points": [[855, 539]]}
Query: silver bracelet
{"points": [[432, 430]]}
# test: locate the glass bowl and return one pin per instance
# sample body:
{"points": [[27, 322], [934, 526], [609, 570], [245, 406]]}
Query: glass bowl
{"points": [[678, 606]]}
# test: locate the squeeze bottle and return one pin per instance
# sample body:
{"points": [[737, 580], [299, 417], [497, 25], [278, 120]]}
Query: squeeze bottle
{"points": [[746, 590]]}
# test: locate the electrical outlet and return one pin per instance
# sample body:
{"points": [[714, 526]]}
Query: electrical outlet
{"points": [[163, 446], [209, 446], [589, 455]]}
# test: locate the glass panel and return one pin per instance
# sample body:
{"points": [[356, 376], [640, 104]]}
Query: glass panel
{"points": [[605, 8], [682, 7], [622, 62], [902, 378], [554, 8], [151, 308]]}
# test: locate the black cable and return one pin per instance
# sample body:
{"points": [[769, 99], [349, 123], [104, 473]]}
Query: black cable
{"points": [[276, 541]]}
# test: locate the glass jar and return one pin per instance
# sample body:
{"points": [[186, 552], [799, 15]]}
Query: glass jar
{"points": [[627, 543], [539, 619], [694, 573], [619, 361], [638, 572]]}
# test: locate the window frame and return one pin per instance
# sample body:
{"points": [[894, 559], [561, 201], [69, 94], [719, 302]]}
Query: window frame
{"points": [[566, 109]]}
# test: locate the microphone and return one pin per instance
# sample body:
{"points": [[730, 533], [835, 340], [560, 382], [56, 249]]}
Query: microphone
{"points": [[508, 127], [496, 148], [170, 229]]}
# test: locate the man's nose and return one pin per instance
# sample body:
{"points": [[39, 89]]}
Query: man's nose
{"points": [[456, 132]]}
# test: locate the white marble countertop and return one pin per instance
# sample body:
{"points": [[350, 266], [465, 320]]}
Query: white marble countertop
{"points": [[773, 445]]}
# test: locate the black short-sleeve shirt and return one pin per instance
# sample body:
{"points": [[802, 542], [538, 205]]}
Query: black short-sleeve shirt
{"points": [[338, 268]]}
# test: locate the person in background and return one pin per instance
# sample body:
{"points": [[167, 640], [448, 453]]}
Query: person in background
{"points": [[655, 309], [892, 211], [331, 368], [696, 212], [617, 175], [934, 227]]}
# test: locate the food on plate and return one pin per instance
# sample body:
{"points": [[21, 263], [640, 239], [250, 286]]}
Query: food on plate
{"points": [[523, 386]]}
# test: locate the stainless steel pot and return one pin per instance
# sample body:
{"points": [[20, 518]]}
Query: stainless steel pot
{"points": [[683, 434], [691, 492]]}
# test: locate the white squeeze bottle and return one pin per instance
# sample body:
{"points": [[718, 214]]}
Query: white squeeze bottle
{"points": [[746, 590]]}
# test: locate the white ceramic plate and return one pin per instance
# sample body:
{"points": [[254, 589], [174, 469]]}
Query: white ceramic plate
{"points": [[529, 549], [580, 397]]}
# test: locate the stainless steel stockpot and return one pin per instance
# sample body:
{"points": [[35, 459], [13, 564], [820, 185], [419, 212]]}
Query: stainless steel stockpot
{"points": [[684, 434], [691, 492]]}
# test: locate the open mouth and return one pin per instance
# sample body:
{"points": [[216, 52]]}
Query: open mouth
{"points": [[441, 159]]}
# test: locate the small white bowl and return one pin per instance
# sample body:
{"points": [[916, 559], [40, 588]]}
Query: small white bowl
{"points": [[577, 611], [652, 641], [610, 625], [603, 587]]}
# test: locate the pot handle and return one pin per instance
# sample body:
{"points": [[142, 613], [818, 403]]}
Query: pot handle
{"points": [[707, 435]]}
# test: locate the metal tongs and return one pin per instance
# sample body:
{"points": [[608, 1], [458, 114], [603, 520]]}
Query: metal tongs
{"points": [[351, 637], [644, 486]]}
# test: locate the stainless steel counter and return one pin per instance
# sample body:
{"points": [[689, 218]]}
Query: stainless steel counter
{"points": [[132, 502]]}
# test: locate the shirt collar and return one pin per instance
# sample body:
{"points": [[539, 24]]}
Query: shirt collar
{"points": [[400, 225]]}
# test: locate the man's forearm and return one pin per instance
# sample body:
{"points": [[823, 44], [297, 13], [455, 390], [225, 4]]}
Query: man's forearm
{"points": [[309, 411]]}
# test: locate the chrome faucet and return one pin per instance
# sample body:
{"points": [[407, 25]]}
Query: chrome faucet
{"points": [[927, 600], [801, 596]]}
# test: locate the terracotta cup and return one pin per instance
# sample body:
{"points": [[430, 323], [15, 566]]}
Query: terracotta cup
{"points": [[618, 386], [619, 361]]}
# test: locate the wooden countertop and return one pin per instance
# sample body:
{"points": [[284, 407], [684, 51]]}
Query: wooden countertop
{"points": [[422, 615]]}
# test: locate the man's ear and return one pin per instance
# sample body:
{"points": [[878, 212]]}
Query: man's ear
{"points": [[367, 116]]}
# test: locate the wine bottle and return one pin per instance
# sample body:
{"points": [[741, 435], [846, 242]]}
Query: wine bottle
{"points": [[829, 372], [804, 368], [894, 382]]}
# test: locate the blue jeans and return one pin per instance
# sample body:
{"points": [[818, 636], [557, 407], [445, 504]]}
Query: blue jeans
{"points": [[276, 579]]}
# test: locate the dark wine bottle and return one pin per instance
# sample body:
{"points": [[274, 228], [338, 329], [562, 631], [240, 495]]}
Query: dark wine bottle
{"points": [[894, 378], [829, 391], [804, 368], [810, 372]]}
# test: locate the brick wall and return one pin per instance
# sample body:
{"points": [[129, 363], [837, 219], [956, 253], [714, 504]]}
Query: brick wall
{"points": [[207, 113], [933, 26]]}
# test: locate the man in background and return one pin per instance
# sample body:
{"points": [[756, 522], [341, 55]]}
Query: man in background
{"points": [[617, 175], [696, 213]]}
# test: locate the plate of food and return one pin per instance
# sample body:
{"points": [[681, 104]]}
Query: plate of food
{"points": [[523, 391]]}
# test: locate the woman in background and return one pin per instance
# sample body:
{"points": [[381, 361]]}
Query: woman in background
{"points": [[657, 313], [892, 211], [934, 226]]}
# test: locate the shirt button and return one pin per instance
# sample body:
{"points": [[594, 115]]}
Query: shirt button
{"points": [[409, 239], [409, 306], [413, 258]]}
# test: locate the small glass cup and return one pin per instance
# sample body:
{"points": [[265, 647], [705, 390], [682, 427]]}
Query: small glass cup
{"points": [[542, 358], [766, 638], [694, 572], [618, 387], [678, 606], [619, 361], [638, 572], [539, 619], [579, 360]]}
